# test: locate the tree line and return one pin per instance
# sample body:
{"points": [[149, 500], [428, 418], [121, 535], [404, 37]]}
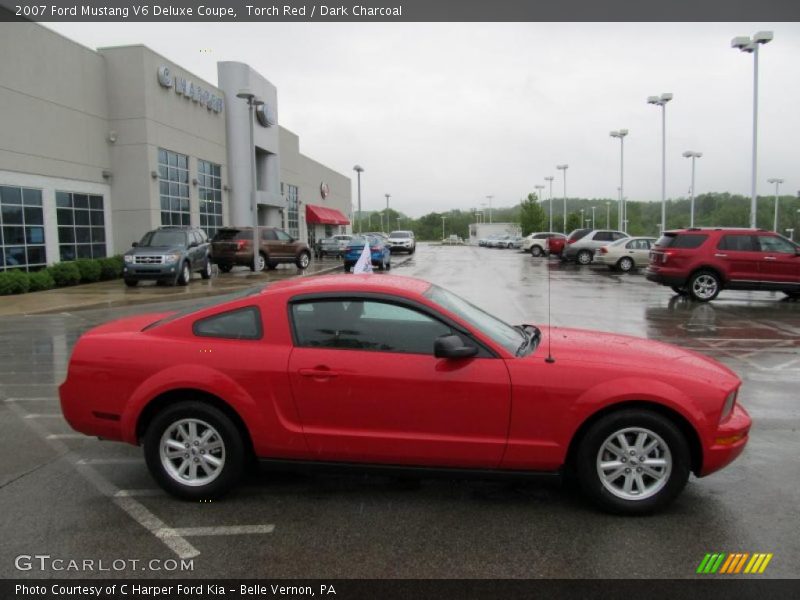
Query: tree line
{"points": [[711, 210]]}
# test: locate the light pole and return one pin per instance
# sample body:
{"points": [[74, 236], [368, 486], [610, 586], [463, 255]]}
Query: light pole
{"points": [[608, 215], [564, 168], [443, 219], [539, 189], [489, 198], [550, 180], [694, 156], [359, 170], [252, 102], [387, 211], [582, 217], [593, 208], [750, 45], [621, 133], [662, 102], [777, 183]]}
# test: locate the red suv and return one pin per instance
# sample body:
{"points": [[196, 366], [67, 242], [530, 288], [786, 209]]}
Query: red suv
{"points": [[701, 262]]}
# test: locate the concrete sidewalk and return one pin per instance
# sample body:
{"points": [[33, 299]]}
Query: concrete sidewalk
{"points": [[115, 293]]}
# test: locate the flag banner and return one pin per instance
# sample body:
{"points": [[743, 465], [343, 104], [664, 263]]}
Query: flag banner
{"points": [[364, 264]]}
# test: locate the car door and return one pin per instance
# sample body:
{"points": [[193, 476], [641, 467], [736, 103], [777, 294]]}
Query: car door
{"points": [[779, 262], [368, 387], [270, 243], [285, 245], [639, 250], [739, 255], [196, 252]]}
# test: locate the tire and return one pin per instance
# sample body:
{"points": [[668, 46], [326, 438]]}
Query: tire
{"points": [[679, 290], [704, 286], [389, 265], [792, 295], [185, 274], [225, 445], [347, 267], [259, 263], [225, 268], [625, 264], [584, 257], [206, 272], [536, 251], [414, 249], [650, 489], [303, 260], [131, 282]]}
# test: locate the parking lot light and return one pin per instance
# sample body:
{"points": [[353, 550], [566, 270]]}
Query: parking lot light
{"points": [[621, 133], [489, 198], [549, 179], [693, 155], [443, 220], [563, 169], [662, 102], [359, 170], [608, 215], [777, 183]]}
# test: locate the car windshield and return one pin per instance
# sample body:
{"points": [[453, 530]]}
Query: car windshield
{"points": [[399, 234], [620, 241], [501, 332], [162, 237]]}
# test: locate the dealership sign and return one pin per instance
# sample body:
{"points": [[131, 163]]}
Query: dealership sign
{"points": [[189, 89]]}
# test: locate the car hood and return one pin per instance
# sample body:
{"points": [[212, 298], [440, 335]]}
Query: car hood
{"points": [[621, 351], [155, 250]]}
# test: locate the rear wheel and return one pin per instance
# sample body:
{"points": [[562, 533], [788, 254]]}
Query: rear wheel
{"points": [[194, 451], [633, 462], [704, 286], [260, 263], [625, 264], [536, 251], [206, 272], [584, 257]]}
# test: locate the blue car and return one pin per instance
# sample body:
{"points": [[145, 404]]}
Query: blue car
{"points": [[381, 254]]}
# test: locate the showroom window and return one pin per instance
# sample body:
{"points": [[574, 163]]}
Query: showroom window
{"points": [[21, 229], [173, 183], [292, 205], [210, 189], [81, 226]]}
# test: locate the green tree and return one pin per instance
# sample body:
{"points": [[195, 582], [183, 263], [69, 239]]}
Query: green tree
{"points": [[531, 215], [573, 221]]}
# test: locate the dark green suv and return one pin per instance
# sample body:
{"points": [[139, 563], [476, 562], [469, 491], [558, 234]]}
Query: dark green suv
{"points": [[168, 254]]}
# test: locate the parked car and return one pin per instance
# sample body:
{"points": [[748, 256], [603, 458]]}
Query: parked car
{"points": [[625, 254], [701, 262], [453, 240], [536, 243], [396, 371], [402, 240], [498, 242], [488, 240], [334, 245], [555, 245], [233, 246], [168, 254], [379, 250], [582, 243], [513, 241]]}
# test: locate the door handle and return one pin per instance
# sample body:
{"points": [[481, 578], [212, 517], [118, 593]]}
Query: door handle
{"points": [[770, 258], [721, 255], [318, 373]]}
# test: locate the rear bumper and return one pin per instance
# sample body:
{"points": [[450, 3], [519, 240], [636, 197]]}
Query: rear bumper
{"points": [[78, 412], [227, 257], [729, 440], [658, 275]]}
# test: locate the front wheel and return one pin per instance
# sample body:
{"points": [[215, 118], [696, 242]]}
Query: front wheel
{"points": [[704, 286], [185, 274], [536, 251], [584, 257], [131, 282], [194, 451], [633, 462], [260, 263], [303, 260]]}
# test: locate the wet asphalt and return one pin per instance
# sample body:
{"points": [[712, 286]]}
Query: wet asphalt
{"points": [[74, 497]]}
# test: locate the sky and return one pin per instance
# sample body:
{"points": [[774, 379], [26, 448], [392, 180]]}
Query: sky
{"points": [[441, 115]]}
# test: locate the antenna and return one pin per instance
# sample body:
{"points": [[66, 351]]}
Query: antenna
{"points": [[549, 358]]}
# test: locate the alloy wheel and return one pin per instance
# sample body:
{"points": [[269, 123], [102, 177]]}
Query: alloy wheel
{"points": [[192, 452], [634, 463]]}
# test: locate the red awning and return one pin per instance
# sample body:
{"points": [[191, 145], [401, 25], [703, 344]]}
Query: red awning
{"points": [[326, 216]]}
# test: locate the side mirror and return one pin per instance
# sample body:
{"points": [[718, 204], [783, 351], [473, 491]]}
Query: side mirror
{"points": [[134, 244], [451, 346]]}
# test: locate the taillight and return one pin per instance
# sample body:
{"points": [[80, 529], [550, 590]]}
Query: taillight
{"points": [[665, 257], [242, 244], [603, 250], [569, 241], [375, 248]]}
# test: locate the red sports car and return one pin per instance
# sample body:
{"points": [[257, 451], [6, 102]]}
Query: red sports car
{"points": [[373, 370]]}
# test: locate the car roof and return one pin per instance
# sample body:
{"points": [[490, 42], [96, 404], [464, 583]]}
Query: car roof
{"points": [[709, 229], [388, 284]]}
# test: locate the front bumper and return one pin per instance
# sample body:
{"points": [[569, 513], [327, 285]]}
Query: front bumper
{"points": [[729, 440], [134, 271]]}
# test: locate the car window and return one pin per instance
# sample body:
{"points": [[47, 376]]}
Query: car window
{"points": [[239, 324], [603, 236], [282, 235], [683, 240], [578, 234], [618, 235], [354, 324], [202, 235], [269, 235], [773, 243], [737, 242]]}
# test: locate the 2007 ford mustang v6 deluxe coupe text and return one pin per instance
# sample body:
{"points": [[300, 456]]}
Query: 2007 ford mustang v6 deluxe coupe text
{"points": [[372, 370]]}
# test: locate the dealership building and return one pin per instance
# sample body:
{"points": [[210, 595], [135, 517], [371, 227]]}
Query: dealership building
{"points": [[99, 147]]}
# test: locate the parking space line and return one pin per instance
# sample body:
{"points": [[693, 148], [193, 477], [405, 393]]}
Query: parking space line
{"points": [[139, 513], [44, 416], [32, 399], [110, 461], [63, 436], [222, 530], [147, 492]]}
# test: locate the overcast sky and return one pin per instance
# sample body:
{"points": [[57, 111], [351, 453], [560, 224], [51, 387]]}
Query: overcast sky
{"points": [[442, 115]]}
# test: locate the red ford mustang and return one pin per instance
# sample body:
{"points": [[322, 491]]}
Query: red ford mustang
{"points": [[375, 370]]}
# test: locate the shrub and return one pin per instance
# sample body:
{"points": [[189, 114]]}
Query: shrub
{"points": [[90, 270], [65, 273], [41, 280], [13, 282], [111, 267]]}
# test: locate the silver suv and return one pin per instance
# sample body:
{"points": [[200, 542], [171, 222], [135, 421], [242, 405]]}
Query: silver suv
{"points": [[402, 240], [582, 243], [168, 254]]}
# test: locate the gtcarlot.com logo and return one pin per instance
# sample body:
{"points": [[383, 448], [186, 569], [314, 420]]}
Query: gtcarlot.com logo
{"points": [[734, 563]]}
